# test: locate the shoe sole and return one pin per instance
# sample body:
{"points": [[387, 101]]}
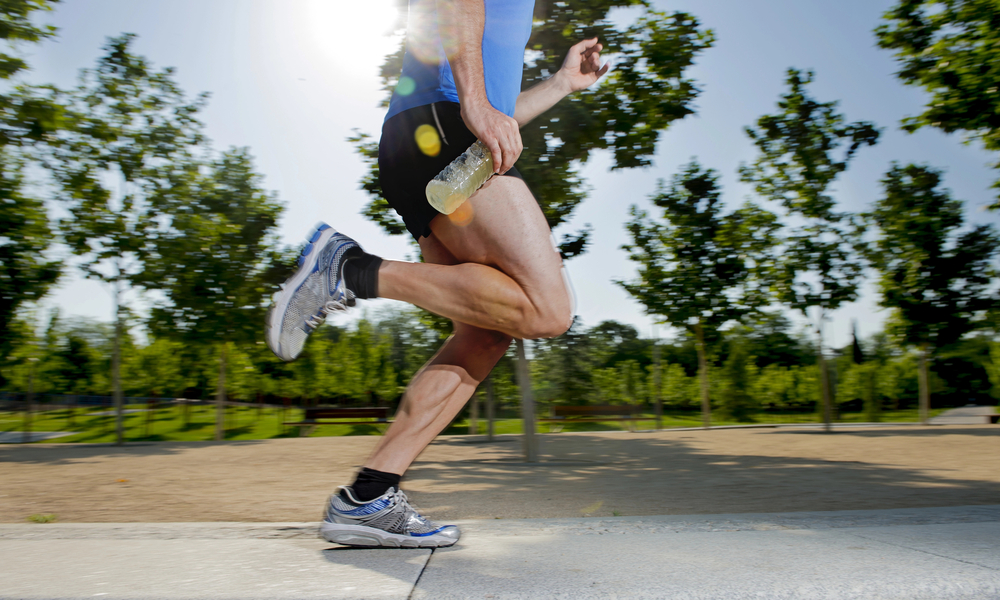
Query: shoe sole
{"points": [[316, 240], [369, 537]]}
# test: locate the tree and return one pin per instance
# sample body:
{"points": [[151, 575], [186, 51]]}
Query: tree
{"points": [[770, 341], [214, 257], [951, 48], [130, 127], [565, 367], [993, 369], [27, 116], [698, 268], [935, 279], [800, 158], [737, 403]]}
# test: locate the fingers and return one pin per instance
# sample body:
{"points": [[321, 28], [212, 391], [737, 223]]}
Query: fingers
{"points": [[498, 132], [585, 45], [503, 142], [508, 145]]}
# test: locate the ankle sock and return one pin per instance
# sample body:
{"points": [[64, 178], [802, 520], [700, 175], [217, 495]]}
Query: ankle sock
{"points": [[370, 484], [361, 273]]}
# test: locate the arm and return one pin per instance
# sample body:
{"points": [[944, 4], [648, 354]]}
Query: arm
{"points": [[580, 70], [461, 24]]}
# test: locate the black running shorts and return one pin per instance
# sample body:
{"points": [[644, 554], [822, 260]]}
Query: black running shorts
{"points": [[416, 145]]}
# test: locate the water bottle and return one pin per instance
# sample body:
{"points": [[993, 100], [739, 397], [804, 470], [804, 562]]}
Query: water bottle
{"points": [[460, 179]]}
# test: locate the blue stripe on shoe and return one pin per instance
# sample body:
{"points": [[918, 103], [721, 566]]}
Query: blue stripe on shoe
{"points": [[319, 231], [438, 530], [366, 509]]}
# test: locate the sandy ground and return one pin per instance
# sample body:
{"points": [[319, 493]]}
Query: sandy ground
{"points": [[596, 474]]}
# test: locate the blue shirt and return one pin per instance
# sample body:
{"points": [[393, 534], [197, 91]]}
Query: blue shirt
{"points": [[427, 78]]}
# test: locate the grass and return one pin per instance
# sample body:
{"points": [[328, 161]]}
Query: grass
{"points": [[247, 423], [675, 420], [40, 518]]}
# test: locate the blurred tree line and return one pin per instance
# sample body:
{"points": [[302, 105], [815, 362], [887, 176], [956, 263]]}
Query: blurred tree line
{"points": [[761, 365]]}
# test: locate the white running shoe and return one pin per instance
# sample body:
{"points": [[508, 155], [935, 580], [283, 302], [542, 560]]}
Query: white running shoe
{"points": [[314, 291], [389, 521]]}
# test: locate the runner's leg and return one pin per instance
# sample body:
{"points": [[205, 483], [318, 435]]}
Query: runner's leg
{"points": [[508, 278], [507, 232]]}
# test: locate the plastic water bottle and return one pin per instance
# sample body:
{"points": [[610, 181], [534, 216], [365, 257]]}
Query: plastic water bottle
{"points": [[460, 179]]}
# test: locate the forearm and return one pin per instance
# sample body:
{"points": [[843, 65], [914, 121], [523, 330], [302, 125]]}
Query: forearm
{"points": [[540, 98], [461, 24]]}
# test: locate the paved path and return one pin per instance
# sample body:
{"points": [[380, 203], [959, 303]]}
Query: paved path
{"points": [[17, 437], [966, 415], [933, 553]]}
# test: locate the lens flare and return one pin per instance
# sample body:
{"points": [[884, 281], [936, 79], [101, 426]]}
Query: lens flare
{"points": [[422, 39], [405, 86], [462, 215], [428, 140]]}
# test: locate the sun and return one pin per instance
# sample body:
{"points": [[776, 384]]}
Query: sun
{"points": [[353, 38]]}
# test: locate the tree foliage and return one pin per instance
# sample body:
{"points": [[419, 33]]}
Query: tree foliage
{"points": [[27, 116], [131, 125], [950, 48], [935, 278], [697, 265], [214, 255], [803, 149]]}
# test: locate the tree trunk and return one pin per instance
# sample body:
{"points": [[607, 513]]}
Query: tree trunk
{"points": [[925, 387], [28, 400], [220, 397], [823, 378], [527, 405], [490, 407], [116, 365], [656, 385], [706, 406], [474, 414], [874, 401]]}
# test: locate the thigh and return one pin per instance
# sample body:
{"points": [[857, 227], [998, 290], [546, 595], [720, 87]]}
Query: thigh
{"points": [[502, 226]]}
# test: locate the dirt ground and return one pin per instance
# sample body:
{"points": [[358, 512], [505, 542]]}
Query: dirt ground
{"points": [[595, 474]]}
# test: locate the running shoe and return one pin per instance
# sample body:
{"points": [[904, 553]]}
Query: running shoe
{"points": [[314, 291], [389, 521]]}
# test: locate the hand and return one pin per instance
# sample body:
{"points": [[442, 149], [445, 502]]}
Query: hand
{"points": [[582, 66], [498, 132]]}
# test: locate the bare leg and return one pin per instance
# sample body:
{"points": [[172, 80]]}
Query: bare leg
{"points": [[521, 290], [507, 277], [436, 394]]}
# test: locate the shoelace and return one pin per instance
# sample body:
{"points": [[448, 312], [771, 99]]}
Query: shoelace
{"points": [[411, 510], [331, 306]]}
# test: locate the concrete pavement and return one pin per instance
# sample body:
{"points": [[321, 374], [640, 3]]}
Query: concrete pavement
{"points": [[965, 415], [934, 553]]}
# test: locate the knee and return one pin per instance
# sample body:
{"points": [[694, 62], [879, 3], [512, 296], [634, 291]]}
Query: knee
{"points": [[551, 324]]}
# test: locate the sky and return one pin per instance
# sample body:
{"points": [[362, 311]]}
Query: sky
{"points": [[292, 79]]}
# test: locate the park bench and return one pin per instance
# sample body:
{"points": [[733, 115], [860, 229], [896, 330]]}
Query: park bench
{"points": [[336, 416], [560, 415]]}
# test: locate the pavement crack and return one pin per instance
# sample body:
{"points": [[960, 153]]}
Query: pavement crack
{"points": [[968, 562], [424, 568]]}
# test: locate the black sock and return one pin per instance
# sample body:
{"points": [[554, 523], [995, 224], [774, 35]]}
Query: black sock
{"points": [[361, 273], [370, 484]]}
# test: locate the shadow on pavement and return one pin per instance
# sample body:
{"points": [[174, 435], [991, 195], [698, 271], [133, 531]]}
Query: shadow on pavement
{"points": [[631, 476], [62, 454]]}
